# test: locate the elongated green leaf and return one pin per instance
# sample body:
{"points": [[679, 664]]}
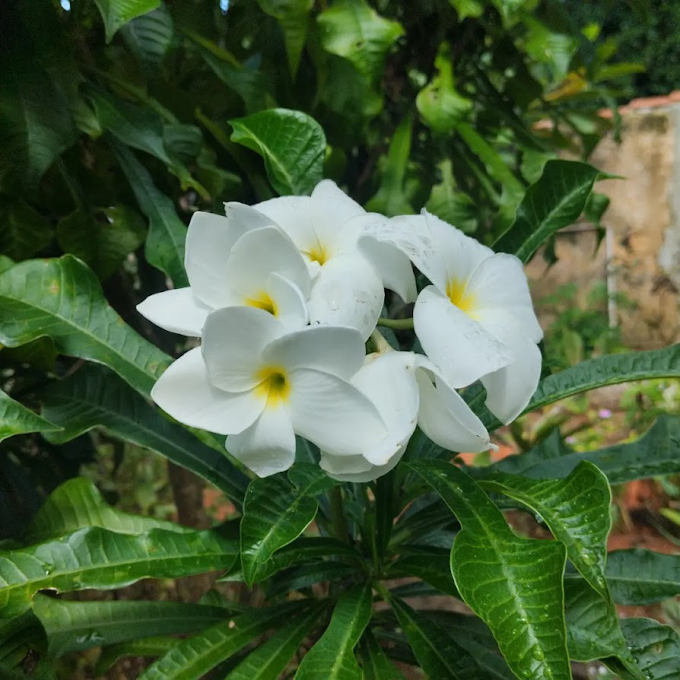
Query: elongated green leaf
{"points": [[194, 657], [78, 504], [374, 662], [433, 567], [554, 201], [20, 637], [23, 230], [293, 15], [63, 300], [655, 453], [467, 8], [167, 233], [593, 630], [76, 626], [514, 584], [641, 577], [101, 239], [17, 419], [183, 141], [146, 647], [5, 263], [437, 653], [270, 660], [613, 369], [655, 647], [117, 13], [391, 197], [332, 657], [450, 204], [310, 573], [576, 509], [353, 30], [94, 396], [97, 558], [440, 105], [274, 515], [149, 37], [292, 145]]}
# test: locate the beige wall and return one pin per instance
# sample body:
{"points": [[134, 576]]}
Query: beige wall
{"points": [[644, 219]]}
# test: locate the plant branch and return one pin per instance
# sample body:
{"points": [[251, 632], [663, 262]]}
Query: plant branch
{"points": [[396, 324]]}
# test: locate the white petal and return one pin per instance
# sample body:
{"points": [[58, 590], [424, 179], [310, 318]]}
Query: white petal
{"points": [[459, 346], [233, 340], [185, 392], [258, 254], [177, 311], [332, 210], [388, 380], [268, 445], [347, 292], [291, 308], [294, 215], [498, 287], [445, 417], [332, 349], [336, 468], [209, 241], [392, 265], [246, 217], [333, 414], [509, 389]]}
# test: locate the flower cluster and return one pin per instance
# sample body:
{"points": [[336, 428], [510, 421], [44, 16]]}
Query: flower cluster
{"points": [[284, 296]]}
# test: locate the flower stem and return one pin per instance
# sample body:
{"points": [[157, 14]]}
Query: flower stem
{"points": [[379, 343], [396, 324], [340, 528]]}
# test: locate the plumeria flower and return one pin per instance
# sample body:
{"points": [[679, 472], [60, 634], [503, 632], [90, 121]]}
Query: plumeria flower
{"points": [[260, 384], [232, 263], [475, 320], [348, 278], [407, 390]]}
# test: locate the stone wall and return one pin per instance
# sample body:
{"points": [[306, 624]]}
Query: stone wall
{"points": [[643, 221]]}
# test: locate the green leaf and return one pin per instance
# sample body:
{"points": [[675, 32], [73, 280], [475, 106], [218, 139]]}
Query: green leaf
{"points": [[192, 658], [513, 584], [17, 419], [576, 510], [432, 566], [554, 201], [600, 372], [21, 637], [293, 15], [5, 263], [374, 662], [146, 647], [62, 299], [77, 504], [117, 13], [269, 660], [450, 204], [167, 233], [292, 144], [654, 454], [353, 30], [183, 141], [655, 647], [391, 198], [274, 515], [23, 230], [310, 573], [102, 239], [76, 626], [36, 126], [332, 657], [437, 653], [93, 396], [97, 558], [468, 8], [593, 630], [440, 105], [149, 37], [642, 577]]}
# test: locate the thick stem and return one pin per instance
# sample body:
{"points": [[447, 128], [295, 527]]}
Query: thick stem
{"points": [[340, 527], [396, 324]]}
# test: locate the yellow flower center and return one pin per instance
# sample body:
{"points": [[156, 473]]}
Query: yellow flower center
{"points": [[274, 385], [317, 254], [263, 301], [457, 293]]}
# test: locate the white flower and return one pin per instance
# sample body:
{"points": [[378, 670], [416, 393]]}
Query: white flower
{"points": [[261, 385], [407, 389], [476, 320], [242, 261], [348, 279]]}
